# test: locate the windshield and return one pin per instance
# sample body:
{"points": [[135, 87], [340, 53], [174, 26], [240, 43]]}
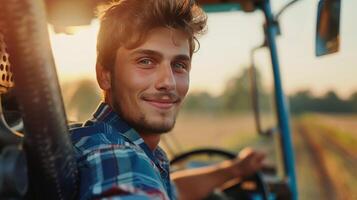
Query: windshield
{"points": [[218, 113], [218, 110]]}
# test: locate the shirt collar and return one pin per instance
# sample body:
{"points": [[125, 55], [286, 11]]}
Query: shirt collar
{"points": [[106, 114]]}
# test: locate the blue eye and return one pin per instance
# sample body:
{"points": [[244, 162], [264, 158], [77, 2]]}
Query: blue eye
{"points": [[180, 66], [146, 61]]}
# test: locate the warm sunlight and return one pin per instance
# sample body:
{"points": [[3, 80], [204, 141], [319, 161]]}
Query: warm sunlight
{"points": [[219, 59], [75, 54]]}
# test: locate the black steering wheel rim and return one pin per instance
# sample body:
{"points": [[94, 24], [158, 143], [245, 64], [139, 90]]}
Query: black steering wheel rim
{"points": [[257, 177], [185, 155], [51, 164]]}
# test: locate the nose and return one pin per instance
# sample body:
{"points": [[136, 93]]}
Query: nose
{"points": [[165, 78]]}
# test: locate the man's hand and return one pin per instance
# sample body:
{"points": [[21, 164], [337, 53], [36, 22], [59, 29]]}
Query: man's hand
{"points": [[200, 182], [247, 163]]}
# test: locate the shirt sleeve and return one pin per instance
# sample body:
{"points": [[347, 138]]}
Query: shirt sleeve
{"points": [[118, 172]]}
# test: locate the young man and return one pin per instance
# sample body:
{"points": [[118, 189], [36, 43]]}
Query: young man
{"points": [[144, 60]]}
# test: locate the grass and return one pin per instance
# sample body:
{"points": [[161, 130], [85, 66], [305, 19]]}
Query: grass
{"points": [[308, 180], [208, 130], [340, 130], [237, 131], [230, 132]]}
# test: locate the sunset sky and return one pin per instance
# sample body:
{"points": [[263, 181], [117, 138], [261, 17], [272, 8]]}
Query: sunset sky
{"points": [[225, 50]]}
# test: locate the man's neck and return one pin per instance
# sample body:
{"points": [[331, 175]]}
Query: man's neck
{"points": [[152, 140]]}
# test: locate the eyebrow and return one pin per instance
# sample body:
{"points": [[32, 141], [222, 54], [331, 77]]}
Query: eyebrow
{"points": [[158, 54]]}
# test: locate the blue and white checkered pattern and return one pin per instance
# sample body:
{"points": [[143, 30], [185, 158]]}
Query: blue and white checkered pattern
{"points": [[115, 163]]}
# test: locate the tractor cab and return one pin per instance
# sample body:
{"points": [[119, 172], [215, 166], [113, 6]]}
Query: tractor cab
{"points": [[37, 159]]}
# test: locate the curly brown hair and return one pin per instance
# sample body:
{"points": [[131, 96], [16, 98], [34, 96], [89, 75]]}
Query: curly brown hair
{"points": [[126, 23]]}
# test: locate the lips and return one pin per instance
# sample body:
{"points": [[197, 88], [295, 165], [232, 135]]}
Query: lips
{"points": [[162, 101], [161, 104]]}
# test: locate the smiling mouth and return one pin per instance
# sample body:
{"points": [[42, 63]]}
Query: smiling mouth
{"points": [[161, 100], [162, 104]]}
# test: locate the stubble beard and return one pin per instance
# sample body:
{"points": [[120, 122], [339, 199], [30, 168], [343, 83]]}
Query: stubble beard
{"points": [[141, 123]]}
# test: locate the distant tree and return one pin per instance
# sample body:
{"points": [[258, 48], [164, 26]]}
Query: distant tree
{"points": [[83, 100], [330, 102], [352, 101], [301, 101], [304, 101], [202, 102], [236, 96]]}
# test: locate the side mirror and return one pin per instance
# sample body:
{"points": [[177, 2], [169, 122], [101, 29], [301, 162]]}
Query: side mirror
{"points": [[260, 102], [328, 27]]}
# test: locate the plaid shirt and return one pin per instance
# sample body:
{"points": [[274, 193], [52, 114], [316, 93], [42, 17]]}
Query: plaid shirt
{"points": [[115, 163]]}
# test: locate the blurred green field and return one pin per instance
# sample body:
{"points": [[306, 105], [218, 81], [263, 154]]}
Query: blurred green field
{"points": [[325, 147], [228, 131], [204, 130]]}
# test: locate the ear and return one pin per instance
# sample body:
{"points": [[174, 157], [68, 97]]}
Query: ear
{"points": [[103, 77]]}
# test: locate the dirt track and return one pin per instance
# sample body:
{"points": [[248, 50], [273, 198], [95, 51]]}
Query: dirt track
{"points": [[325, 165], [333, 164], [318, 160]]}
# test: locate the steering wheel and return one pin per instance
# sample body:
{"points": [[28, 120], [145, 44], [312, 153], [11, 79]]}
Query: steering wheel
{"points": [[236, 191], [51, 164]]}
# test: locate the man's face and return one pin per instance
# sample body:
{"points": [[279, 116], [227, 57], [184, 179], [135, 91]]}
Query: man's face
{"points": [[149, 82]]}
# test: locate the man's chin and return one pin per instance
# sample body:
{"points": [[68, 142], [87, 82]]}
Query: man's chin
{"points": [[151, 126], [153, 122], [159, 128]]}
